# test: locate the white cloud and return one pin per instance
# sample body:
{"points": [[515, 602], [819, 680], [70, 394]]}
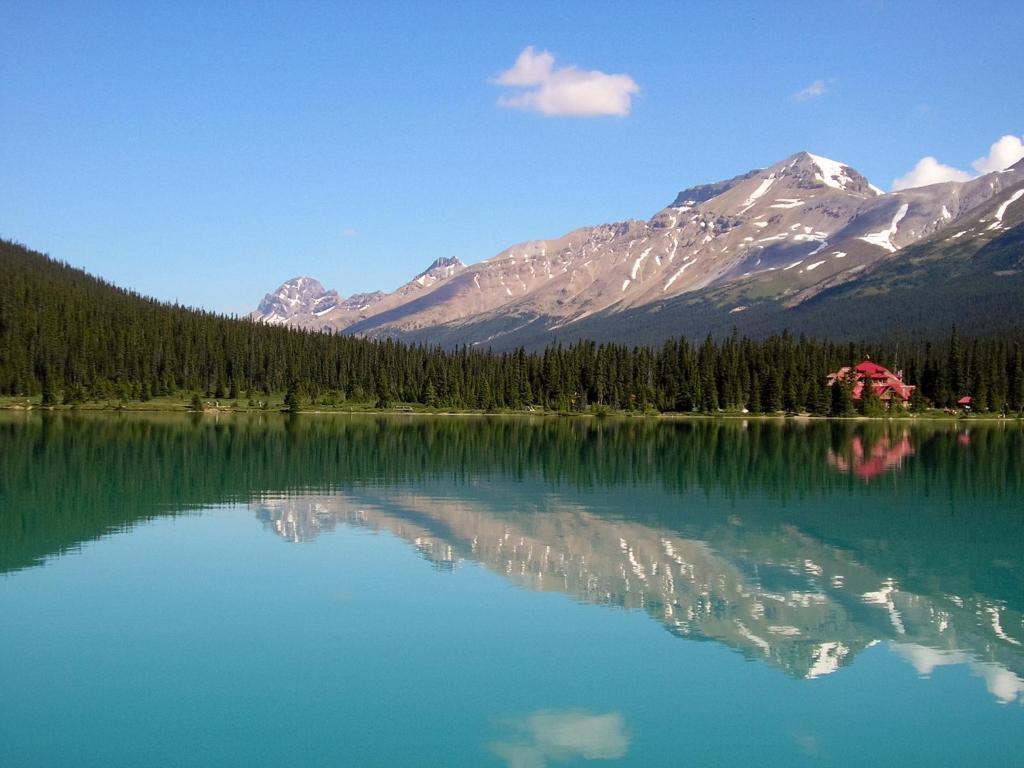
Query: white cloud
{"points": [[928, 171], [1001, 155], [813, 91], [564, 91], [531, 68]]}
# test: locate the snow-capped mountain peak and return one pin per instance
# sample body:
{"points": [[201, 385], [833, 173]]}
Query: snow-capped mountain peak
{"points": [[295, 297], [831, 172], [440, 269], [816, 171]]}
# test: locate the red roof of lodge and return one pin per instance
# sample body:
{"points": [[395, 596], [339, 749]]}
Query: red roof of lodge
{"points": [[965, 400], [873, 370]]}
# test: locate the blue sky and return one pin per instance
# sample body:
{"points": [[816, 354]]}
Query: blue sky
{"points": [[206, 152]]}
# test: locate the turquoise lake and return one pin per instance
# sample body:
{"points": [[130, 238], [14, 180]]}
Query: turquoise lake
{"points": [[357, 590]]}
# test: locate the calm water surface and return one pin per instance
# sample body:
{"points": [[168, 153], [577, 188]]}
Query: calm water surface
{"points": [[257, 591]]}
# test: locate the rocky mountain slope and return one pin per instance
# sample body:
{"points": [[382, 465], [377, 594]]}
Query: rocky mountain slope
{"points": [[774, 238], [304, 302], [969, 273]]}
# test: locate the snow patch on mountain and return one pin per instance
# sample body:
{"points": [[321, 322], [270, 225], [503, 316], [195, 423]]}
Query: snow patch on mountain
{"points": [[757, 194], [676, 275], [639, 263], [832, 173], [998, 223], [883, 238]]}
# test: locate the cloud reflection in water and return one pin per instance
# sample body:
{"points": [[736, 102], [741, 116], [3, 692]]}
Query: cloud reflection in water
{"points": [[547, 736]]}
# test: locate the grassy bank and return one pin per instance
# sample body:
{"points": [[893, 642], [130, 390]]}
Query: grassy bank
{"points": [[183, 403]]}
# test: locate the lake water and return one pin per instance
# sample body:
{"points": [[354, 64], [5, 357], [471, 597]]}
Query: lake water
{"points": [[332, 591]]}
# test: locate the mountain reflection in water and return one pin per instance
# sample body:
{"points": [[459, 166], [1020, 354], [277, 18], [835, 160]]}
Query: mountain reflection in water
{"points": [[781, 595], [761, 536]]}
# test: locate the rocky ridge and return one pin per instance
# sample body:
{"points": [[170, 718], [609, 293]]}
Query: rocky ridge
{"points": [[788, 231]]}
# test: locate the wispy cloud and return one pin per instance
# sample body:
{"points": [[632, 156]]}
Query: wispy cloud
{"points": [[813, 91], [540, 86], [1001, 155]]}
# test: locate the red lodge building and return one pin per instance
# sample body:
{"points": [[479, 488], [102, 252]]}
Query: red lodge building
{"points": [[888, 385]]}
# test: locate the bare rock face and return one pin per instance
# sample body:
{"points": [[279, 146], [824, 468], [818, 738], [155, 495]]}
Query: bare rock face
{"points": [[788, 230]]}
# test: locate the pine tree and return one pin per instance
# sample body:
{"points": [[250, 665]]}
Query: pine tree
{"points": [[1016, 383], [382, 389], [754, 401], [818, 400], [49, 392], [773, 391], [842, 396], [292, 401], [430, 394], [918, 402], [955, 368], [870, 403]]}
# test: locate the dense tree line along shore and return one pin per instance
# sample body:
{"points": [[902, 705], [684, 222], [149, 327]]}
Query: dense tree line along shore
{"points": [[73, 338]]}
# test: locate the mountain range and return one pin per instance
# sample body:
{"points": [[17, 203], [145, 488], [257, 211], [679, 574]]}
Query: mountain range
{"points": [[805, 244]]}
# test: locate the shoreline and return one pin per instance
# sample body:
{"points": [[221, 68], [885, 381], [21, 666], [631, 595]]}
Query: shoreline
{"points": [[169, 408]]}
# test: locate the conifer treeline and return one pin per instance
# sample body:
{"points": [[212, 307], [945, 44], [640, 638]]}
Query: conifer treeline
{"points": [[74, 338]]}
